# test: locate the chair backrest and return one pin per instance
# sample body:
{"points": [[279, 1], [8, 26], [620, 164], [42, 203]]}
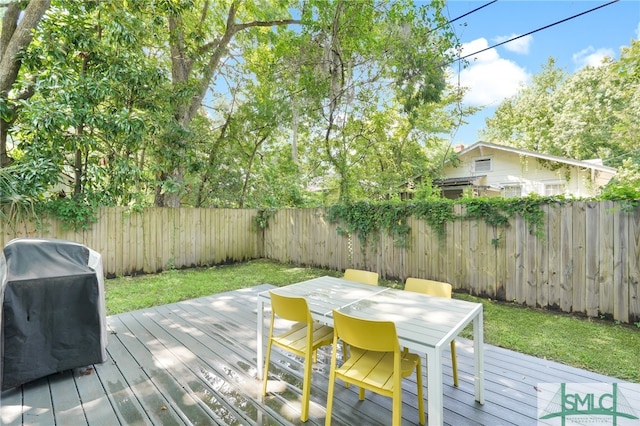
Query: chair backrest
{"points": [[364, 277], [433, 288], [366, 334], [290, 308]]}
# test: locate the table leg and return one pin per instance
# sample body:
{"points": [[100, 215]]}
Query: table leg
{"points": [[260, 338], [478, 352], [435, 409]]}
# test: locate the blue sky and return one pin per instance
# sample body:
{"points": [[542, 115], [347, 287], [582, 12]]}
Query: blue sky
{"points": [[498, 73]]}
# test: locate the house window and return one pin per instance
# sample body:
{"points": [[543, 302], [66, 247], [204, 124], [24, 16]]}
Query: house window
{"points": [[482, 165], [554, 189], [513, 190]]}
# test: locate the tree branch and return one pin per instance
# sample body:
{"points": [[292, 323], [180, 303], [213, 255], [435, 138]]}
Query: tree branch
{"points": [[274, 23], [20, 39], [9, 25], [180, 64], [219, 48]]}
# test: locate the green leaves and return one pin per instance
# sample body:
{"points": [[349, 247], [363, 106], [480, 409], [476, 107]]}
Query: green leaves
{"points": [[437, 212], [22, 186], [98, 95], [358, 218], [344, 104], [371, 68], [368, 220], [74, 213], [592, 113]]}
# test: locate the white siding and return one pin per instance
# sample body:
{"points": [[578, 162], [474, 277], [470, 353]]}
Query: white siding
{"points": [[508, 168]]}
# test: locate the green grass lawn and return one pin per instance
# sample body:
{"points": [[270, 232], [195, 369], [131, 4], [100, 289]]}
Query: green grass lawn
{"points": [[592, 344]]}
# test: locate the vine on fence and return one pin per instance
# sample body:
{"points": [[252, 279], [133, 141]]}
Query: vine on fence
{"points": [[368, 220], [361, 218], [437, 213], [261, 220]]}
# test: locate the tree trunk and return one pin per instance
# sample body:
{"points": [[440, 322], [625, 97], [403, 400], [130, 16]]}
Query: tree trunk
{"points": [[17, 32], [77, 168], [247, 175], [5, 160]]}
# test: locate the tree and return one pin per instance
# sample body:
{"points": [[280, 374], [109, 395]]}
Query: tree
{"points": [[526, 119], [363, 61], [627, 113], [249, 124], [200, 34], [195, 102], [589, 114], [96, 95], [19, 20], [626, 128], [286, 78]]}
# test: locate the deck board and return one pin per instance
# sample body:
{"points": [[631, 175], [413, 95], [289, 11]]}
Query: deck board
{"points": [[193, 362], [65, 398], [38, 399], [114, 391]]}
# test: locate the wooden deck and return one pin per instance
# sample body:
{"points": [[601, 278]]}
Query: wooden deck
{"points": [[193, 362]]}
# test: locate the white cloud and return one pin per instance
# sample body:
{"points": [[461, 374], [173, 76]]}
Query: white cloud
{"points": [[489, 78], [592, 57], [520, 45], [476, 46]]}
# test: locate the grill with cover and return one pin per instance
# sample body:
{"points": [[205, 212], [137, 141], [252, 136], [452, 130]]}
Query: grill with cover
{"points": [[52, 312]]}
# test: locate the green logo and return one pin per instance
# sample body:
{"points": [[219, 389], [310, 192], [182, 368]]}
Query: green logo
{"points": [[592, 403]]}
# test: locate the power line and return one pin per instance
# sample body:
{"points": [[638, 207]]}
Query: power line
{"points": [[535, 31], [626, 155], [472, 11], [454, 130], [462, 16]]}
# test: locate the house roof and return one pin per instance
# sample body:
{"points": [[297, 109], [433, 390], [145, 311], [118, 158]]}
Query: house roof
{"points": [[466, 180], [591, 164]]}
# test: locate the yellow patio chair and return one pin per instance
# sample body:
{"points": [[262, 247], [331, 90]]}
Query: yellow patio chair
{"points": [[361, 276], [376, 362], [439, 289], [364, 277], [302, 339]]}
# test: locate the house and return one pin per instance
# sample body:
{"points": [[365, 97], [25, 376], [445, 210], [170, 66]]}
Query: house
{"points": [[493, 170]]}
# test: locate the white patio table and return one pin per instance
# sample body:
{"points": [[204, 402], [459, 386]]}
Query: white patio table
{"points": [[425, 324]]}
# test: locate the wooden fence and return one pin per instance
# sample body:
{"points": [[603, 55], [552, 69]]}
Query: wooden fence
{"points": [[588, 260], [157, 238]]}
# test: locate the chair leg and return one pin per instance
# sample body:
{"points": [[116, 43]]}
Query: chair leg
{"points": [[332, 383], [454, 363], [306, 387], [421, 415], [396, 407], [344, 358], [267, 361]]}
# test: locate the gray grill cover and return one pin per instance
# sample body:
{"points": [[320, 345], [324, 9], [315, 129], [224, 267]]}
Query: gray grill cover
{"points": [[52, 314]]}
